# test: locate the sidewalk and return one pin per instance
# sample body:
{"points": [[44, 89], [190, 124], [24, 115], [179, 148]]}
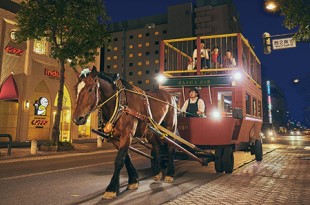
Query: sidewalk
{"points": [[23, 154], [281, 178]]}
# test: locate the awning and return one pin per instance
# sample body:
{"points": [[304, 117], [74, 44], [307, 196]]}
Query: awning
{"points": [[8, 89]]}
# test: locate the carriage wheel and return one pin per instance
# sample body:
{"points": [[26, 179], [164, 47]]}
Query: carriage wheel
{"points": [[228, 159], [258, 147], [218, 160]]}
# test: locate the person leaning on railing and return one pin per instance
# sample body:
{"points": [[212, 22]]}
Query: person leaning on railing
{"points": [[204, 56], [229, 61]]}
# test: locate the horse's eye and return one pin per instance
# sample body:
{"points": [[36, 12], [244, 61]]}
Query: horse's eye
{"points": [[90, 90]]}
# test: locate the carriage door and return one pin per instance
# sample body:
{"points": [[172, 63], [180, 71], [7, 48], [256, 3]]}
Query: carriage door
{"points": [[65, 118], [224, 99]]}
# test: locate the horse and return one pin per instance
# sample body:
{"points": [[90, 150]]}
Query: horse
{"points": [[127, 110]]}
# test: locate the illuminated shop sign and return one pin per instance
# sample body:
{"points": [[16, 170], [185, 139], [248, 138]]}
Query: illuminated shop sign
{"points": [[40, 106], [52, 73], [13, 48]]}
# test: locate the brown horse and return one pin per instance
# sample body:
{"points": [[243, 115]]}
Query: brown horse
{"points": [[127, 110]]}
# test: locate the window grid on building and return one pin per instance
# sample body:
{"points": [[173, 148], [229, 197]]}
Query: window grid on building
{"points": [[40, 46]]}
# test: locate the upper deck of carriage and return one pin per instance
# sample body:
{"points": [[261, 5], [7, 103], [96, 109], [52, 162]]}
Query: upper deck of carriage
{"points": [[179, 67]]}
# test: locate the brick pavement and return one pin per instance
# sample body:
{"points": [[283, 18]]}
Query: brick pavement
{"points": [[282, 177]]}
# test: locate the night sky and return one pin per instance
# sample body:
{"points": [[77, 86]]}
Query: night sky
{"points": [[281, 66]]}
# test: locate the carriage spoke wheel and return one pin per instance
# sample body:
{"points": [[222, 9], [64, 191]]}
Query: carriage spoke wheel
{"points": [[258, 148], [228, 159], [218, 160]]}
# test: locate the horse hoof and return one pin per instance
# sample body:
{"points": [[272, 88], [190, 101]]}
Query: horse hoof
{"points": [[109, 195], [158, 176], [133, 186], [168, 179]]}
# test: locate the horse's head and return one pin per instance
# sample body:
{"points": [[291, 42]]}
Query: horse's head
{"points": [[87, 95]]}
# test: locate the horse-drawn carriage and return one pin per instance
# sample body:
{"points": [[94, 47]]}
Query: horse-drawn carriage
{"points": [[233, 119]]}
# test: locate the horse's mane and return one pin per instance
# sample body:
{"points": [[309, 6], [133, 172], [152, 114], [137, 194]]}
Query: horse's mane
{"points": [[111, 78]]}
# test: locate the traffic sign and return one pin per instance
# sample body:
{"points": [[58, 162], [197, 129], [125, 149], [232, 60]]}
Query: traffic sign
{"points": [[283, 43]]}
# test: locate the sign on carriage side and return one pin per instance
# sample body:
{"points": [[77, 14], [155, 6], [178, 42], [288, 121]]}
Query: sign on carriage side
{"points": [[215, 80], [283, 43]]}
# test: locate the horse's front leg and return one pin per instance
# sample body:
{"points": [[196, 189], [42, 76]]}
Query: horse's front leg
{"points": [[113, 188], [132, 174], [171, 168]]}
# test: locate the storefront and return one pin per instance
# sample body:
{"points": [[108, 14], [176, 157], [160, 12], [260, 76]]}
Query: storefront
{"points": [[29, 84]]}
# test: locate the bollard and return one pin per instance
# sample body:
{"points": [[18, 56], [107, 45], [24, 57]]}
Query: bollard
{"points": [[33, 149], [99, 142]]}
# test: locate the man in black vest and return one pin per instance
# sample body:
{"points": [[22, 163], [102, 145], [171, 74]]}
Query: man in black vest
{"points": [[194, 106]]}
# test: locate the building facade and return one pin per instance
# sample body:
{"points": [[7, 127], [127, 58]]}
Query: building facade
{"points": [[135, 46], [29, 81]]}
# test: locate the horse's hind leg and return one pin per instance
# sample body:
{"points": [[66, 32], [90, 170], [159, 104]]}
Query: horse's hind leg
{"points": [[171, 169], [132, 174], [155, 162]]}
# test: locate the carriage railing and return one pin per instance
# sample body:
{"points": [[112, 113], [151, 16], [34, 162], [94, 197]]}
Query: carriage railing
{"points": [[177, 56]]}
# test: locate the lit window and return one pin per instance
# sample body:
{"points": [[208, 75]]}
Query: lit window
{"points": [[139, 54], [115, 49], [156, 61], [156, 33], [130, 82], [147, 81], [254, 107], [139, 72], [130, 46], [140, 35], [147, 44], [139, 63], [130, 55], [109, 58], [259, 110], [140, 45], [115, 66], [147, 62], [39, 46], [114, 57]]}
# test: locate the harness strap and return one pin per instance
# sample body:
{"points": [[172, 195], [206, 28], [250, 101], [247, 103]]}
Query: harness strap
{"points": [[135, 114]]}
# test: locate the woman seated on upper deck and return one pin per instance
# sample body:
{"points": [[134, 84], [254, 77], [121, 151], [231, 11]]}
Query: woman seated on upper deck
{"points": [[194, 106]]}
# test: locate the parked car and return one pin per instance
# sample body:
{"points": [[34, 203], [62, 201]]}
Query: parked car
{"points": [[295, 131], [268, 132]]}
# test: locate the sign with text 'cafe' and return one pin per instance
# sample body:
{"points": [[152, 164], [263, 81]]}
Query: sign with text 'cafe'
{"points": [[212, 80]]}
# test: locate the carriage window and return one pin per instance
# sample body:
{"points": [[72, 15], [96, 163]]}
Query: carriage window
{"points": [[254, 107], [225, 101], [259, 109], [247, 103]]}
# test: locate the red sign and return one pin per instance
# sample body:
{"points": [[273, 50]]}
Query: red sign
{"points": [[52, 73], [14, 51], [38, 122]]}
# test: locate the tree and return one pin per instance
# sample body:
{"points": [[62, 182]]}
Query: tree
{"points": [[297, 15], [75, 29]]}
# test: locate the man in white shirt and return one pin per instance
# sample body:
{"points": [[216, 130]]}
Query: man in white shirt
{"points": [[194, 106], [203, 54]]}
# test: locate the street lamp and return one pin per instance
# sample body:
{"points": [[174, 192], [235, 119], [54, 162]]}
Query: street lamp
{"points": [[271, 5]]}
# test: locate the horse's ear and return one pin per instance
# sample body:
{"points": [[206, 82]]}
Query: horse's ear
{"points": [[94, 72]]}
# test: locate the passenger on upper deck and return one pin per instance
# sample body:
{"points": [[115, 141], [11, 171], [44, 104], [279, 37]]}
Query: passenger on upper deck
{"points": [[194, 106], [216, 58], [229, 61], [204, 56]]}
